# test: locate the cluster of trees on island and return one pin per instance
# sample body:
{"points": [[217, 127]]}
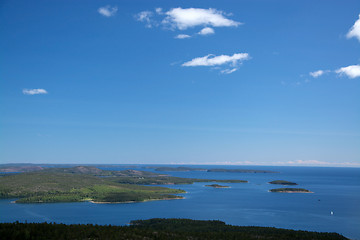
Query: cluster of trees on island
{"points": [[287, 189], [183, 229]]}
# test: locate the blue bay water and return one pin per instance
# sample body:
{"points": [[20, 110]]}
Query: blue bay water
{"points": [[247, 204]]}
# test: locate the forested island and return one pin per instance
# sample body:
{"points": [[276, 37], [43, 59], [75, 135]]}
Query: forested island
{"points": [[282, 182], [86, 183], [156, 229], [290, 190], [217, 186]]}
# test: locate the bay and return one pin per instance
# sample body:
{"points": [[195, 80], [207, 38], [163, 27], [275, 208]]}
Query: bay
{"points": [[335, 190]]}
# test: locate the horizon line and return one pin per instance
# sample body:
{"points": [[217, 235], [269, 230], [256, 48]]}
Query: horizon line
{"points": [[334, 165]]}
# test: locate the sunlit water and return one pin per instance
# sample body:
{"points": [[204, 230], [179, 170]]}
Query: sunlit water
{"points": [[250, 204]]}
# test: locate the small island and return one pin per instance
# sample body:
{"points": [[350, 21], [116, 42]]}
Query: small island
{"points": [[282, 182], [290, 190], [217, 186]]}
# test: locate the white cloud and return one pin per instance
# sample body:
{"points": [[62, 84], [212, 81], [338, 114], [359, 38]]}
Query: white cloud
{"points": [[34, 91], [214, 61], [352, 71], [355, 30], [317, 74], [159, 10], [182, 36], [228, 71], [206, 31], [183, 18], [108, 11], [321, 163], [211, 60]]}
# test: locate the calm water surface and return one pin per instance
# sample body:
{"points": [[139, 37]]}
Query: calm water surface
{"points": [[250, 204]]}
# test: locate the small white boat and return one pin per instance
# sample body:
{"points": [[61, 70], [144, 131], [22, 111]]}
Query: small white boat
{"points": [[332, 213]]}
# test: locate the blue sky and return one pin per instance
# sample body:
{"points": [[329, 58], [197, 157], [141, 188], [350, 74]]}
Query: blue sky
{"points": [[196, 82]]}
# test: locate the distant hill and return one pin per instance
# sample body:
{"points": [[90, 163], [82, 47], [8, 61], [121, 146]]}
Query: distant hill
{"points": [[19, 168], [99, 172]]}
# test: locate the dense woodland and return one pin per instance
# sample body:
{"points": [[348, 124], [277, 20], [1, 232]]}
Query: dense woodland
{"points": [[156, 229]]}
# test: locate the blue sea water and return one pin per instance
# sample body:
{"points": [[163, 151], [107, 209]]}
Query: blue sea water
{"points": [[246, 204]]}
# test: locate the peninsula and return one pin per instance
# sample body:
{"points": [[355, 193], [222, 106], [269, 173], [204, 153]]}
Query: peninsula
{"points": [[45, 187]]}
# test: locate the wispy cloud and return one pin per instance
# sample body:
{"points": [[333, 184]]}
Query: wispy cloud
{"points": [[206, 31], [182, 36], [159, 11], [34, 91], [145, 16], [185, 18], [228, 71], [355, 30], [211, 60], [352, 71], [108, 11], [317, 73]]}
